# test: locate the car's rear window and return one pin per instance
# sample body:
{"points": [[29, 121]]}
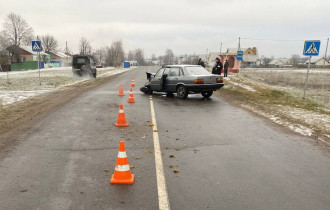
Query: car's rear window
{"points": [[196, 70], [80, 60]]}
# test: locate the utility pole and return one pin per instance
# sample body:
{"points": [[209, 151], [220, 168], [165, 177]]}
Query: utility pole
{"points": [[326, 50], [195, 58], [239, 44], [66, 52], [220, 47], [206, 57], [238, 49], [38, 53]]}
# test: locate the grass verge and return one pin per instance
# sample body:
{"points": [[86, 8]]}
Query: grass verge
{"points": [[281, 105]]}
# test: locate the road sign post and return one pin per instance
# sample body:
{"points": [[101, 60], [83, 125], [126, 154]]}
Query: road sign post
{"points": [[239, 55], [306, 80], [36, 47], [311, 48]]}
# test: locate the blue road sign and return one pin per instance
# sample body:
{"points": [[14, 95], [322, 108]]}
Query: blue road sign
{"points": [[36, 46], [312, 47], [239, 55]]}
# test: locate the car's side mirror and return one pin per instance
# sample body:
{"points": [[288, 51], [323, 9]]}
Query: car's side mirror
{"points": [[165, 75]]}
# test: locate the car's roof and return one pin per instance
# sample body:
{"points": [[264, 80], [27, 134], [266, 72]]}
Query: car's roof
{"points": [[81, 56], [182, 65]]}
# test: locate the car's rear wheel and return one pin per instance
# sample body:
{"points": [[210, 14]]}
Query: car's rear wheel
{"points": [[182, 92], [207, 94]]}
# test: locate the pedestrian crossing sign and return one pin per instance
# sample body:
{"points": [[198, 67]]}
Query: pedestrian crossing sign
{"points": [[36, 46], [312, 47]]}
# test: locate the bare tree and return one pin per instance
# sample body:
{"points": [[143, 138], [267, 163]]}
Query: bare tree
{"points": [[49, 43], [85, 47], [130, 55], [16, 30], [4, 43], [99, 56], [139, 56], [153, 57], [115, 54], [169, 57], [295, 59]]}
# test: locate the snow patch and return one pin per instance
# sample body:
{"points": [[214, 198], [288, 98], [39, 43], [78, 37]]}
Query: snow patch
{"points": [[294, 127], [9, 97]]}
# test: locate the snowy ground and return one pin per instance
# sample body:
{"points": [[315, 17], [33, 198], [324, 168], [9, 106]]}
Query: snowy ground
{"points": [[19, 85]]}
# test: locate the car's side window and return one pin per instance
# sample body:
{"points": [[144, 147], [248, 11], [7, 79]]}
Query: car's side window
{"points": [[159, 72], [175, 72], [181, 72], [167, 71]]}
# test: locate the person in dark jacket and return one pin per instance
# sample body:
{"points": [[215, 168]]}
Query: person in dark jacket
{"points": [[225, 68], [217, 67], [201, 63]]}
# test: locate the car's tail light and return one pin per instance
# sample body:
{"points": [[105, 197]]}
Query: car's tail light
{"points": [[219, 80], [198, 81]]}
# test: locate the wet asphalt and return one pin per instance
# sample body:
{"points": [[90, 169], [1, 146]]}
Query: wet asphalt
{"points": [[215, 156]]}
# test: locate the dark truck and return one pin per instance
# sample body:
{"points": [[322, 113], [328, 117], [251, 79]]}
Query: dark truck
{"points": [[83, 65]]}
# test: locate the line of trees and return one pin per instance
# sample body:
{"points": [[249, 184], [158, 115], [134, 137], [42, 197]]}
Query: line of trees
{"points": [[16, 32]]}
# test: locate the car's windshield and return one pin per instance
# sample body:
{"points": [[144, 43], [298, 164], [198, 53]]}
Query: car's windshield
{"points": [[196, 70]]}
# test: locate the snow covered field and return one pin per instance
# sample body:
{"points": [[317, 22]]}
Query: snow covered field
{"points": [[293, 81], [20, 85]]}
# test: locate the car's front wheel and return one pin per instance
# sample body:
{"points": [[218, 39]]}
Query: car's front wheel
{"points": [[149, 91], [207, 94], [182, 92]]}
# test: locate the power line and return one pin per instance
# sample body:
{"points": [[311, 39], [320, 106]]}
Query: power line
{"points": [[279, 40]]}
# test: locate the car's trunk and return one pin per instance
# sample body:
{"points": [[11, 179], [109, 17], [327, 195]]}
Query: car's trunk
{"points": [[209, 79]]}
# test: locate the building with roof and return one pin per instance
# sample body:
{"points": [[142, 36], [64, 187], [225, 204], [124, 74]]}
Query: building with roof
{"points": [[250, 58], [59, 59], [22, 57], [318, 61], [279, 63], [25, 53]]}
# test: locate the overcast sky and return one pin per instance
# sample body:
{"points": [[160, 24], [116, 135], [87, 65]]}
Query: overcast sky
{"points": [[185, 26]]}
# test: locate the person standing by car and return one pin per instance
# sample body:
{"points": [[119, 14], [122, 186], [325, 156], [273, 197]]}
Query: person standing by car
{"points": [[201, 63], [225, 67], [217, 67]]}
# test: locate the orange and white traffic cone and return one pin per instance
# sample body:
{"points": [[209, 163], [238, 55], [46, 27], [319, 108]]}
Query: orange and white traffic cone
{"points": [[122, 174], [133, 83], [121, 92], [121, 120], [131, 97]]}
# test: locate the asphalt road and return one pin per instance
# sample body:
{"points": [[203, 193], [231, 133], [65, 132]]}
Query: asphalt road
{"points": [[225, 157]]}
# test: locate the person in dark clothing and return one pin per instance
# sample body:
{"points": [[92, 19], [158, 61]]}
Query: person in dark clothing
{"points": [[217, 67], [225, 67], [201, 63]]}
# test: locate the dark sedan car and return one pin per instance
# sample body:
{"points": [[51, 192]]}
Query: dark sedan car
{"points": [[183, 80]]}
